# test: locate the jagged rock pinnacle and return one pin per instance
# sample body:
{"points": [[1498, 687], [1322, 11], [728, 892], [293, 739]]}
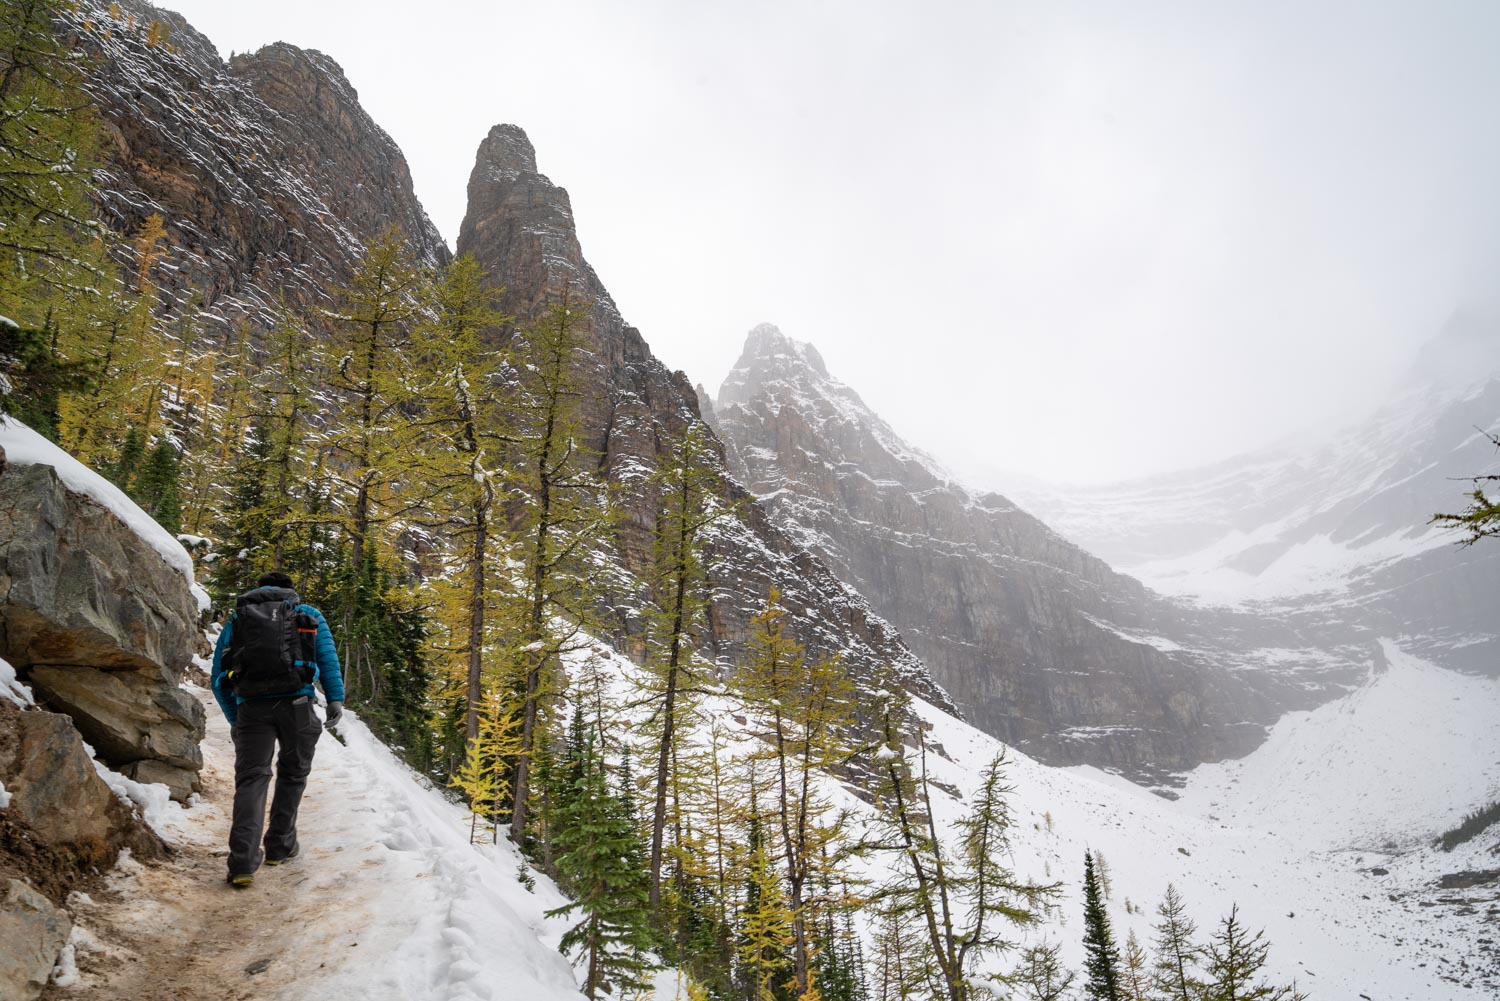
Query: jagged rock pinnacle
{"points": [[507, 150]]}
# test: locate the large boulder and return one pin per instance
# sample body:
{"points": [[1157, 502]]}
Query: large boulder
{"points": [[140, 722], [55, 790], [79, 588], [100, 625], [32, 934]]}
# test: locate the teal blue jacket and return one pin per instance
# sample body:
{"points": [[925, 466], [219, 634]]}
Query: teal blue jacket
{"points": [[329, 675]]}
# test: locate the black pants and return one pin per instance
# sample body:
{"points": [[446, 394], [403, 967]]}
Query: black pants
{"points": [[261, 726]]}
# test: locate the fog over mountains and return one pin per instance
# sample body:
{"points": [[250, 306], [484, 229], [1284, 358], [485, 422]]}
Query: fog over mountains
{"points": [[1239, 592]]}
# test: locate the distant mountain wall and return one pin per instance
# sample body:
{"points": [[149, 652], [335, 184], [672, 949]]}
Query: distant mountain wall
{"points": [[1041, 644]]}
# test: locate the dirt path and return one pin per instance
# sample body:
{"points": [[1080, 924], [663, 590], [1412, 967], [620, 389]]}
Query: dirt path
{"points": [[387, 902], [177, 932]]}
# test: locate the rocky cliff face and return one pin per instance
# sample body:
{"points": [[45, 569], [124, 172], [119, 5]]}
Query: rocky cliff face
{"points": [[269, 175], [1039, 643], [520, 226]]}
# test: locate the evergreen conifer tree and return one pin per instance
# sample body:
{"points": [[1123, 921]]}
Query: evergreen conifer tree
{"points": [[127, 465], [156, 489], [1102, 957], [35, 375], [244, 527], [599, 861]]}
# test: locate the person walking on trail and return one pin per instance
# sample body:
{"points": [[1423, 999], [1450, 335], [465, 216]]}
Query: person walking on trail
{"points": [[269, 653]]}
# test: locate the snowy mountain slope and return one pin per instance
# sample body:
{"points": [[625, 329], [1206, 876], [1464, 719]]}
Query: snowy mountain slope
{"points": [[1323, 836], [1341, 778], [1293, 833], [1041, 643], [1319, 837], [1335, 530]]}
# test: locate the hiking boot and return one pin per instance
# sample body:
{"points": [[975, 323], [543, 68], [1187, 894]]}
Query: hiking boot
{"points": [[240, 880], [296, 850]]}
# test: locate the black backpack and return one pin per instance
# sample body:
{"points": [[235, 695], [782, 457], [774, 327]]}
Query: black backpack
{"points": [[272, 650]]}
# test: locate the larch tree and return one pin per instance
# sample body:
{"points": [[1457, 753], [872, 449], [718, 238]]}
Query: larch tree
{"points": [[905, 967], [689, 481], [1481, 519], [765, 919], [370, 434], [964, 900], [49, 140], [1135, 971], [1041, 974], [1235, 959], [561, 516], [368, 440], [225, 423], [483, 777], [1175, 956], [128, 353], [805, 712], [462, 437], [290, 381]]}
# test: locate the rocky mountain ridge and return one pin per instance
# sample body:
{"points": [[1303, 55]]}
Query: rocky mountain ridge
{"points": [[1040, 643], [520, 227], [268, 174]]}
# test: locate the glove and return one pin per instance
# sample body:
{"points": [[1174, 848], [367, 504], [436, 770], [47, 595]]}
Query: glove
{"points": [[334, 716]]}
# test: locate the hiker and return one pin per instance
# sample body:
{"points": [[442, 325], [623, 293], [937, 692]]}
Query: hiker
{"points": [[269, 653]]}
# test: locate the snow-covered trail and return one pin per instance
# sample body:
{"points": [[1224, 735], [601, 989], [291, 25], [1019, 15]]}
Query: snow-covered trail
{"points": [[387, 901]]}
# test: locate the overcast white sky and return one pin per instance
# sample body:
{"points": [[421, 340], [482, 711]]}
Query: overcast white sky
{"points": [[1082, 241]]}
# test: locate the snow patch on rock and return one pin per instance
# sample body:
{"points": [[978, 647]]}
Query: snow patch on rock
{"points": [[25, 447]]}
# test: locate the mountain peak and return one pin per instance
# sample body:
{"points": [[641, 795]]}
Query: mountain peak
{"points": [[766, 344], [507, 150]]}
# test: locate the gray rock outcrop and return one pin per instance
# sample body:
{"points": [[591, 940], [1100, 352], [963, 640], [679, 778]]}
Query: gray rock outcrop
{"points": [[56, 792], [100, 625], [34, 932]]}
